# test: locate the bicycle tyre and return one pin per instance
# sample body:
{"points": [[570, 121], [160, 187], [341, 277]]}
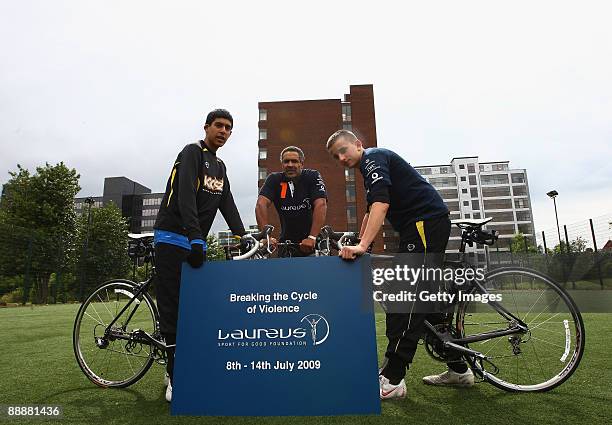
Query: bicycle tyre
{"points": [[116, 375], [526, 283]]}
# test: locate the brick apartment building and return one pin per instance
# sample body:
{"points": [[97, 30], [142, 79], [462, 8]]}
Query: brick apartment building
{"points": [[308, 124]]}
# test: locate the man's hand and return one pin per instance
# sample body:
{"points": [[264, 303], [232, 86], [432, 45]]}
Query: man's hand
{"points": [[196, 256], [351, 252], [273, 243], [307, 245]]}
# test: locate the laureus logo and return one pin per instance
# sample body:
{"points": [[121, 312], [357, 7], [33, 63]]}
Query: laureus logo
{"points": [[315, 326], [319, 328]]}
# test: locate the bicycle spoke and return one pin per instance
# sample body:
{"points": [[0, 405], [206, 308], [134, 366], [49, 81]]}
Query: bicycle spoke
{"points": [[94, 319], [545, 306], [547, 342]]}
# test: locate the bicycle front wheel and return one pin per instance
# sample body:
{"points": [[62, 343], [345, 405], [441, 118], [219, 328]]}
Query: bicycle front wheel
{"points": [[114, 361], [537, 360]]}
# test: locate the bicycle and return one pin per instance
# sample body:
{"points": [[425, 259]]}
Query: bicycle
{"points": [[531, 341], [116, 337], [257, 249]]}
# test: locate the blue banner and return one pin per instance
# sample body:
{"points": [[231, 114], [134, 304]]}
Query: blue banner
{"points": [[276, 337]]}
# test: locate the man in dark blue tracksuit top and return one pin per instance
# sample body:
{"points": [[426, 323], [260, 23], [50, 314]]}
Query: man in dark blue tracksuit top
{"points": [[396, 191], [197, 187]]}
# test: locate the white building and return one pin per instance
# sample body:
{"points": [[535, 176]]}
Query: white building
{"points": [[473, 189]]}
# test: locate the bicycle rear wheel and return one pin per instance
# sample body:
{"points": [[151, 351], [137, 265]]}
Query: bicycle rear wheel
{"points": [[112, 361], [538, 360]]}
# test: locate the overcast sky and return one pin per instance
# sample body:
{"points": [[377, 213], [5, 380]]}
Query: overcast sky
{"points": [[117, 88]]}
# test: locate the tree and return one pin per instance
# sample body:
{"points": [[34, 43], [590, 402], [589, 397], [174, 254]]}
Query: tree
{"points": [[214, 251], [576, 245], [519, 241], [102, 246], [40, 208]]}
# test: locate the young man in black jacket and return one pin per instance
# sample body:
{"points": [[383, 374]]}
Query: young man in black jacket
{"points": [[397, 192], [197, 187]]}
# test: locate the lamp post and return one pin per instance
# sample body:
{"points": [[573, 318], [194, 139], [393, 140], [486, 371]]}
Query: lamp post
{"points": [[89, 202], [553, 194]]}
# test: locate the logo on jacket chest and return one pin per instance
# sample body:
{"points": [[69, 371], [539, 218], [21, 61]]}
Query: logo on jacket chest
{"points": [[212, 184]]}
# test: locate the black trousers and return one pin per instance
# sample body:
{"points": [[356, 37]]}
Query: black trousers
{"points": [[404, 330], [168, 263]]}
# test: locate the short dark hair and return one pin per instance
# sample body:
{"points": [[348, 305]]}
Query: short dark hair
{"points": [[293, 149], [340, 134], [219, 113]]}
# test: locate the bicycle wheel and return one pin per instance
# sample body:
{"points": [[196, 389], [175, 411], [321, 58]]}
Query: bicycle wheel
{"points": [[114, 362], [538, 360]]}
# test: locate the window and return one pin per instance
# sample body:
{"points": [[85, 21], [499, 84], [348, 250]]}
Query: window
{"points": [[424, 171], [263, 115], [453, 245], [501, 216], [443, 181], [481, 168], [476, 215], [463, 190], [444, 170], [467, 215], [263, 173], [351, 214], [347, 126], [489, 192], [523, 216], [147, 223], [349, 174], [497, 204], [475, 204], [525, 229], [499, 167], [518, 178], [521, 203], [263, 153], [471, 169], [263, 134], [350, 192], [473, 180], [466, 203], [519, 190], [474, 192], [463, 179], [461, 167], [492, 179], [149, 212], [503, 229], [452, 206], [448, 193], [346, 112]]}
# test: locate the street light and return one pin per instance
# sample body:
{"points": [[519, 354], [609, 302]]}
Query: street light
{"points": [[89, 202], [553, 194]]}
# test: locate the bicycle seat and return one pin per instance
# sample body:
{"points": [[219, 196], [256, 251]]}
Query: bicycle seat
{"points": [[139, 236], [471, 222]]}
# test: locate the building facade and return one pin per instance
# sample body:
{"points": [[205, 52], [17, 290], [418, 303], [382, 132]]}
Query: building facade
{"points": [[474, 190], [308, 124]]}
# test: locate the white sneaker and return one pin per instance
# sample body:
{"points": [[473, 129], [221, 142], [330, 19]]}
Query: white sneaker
{"points": [[169, 392], [451, 378], [166, 379], [389, 391]]}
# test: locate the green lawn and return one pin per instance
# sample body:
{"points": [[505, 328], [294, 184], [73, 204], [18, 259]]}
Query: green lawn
{"points": [[38, 367]]}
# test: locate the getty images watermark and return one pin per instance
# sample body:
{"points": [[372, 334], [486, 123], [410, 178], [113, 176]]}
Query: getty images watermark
{"points": [[404, 288]]}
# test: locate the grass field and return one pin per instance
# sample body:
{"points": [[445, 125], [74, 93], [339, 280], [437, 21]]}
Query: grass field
{"points": [[37, 366]]}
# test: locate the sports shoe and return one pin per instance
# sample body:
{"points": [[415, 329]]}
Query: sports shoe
{"points": [[451, 378], [389, 391], [166, 379], [169, 392]]}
